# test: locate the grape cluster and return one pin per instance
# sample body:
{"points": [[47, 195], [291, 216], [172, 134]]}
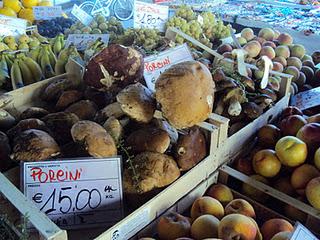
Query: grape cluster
{"points": [[186, 13], [51, 28]]}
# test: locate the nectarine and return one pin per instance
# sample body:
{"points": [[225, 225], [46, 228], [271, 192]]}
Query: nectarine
{"points": [[220, 192], [292, 124], [274, 226], [282, 236], [205, 226], [302, 175], [206, 205], [240, 206], [266, 163], [317, 158], [313, 192], [310, 134], [268, 135]]}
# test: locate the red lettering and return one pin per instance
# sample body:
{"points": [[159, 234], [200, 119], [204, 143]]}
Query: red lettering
{"points": [[35, 172], [51, 175], [77, 175], [60, 173]]}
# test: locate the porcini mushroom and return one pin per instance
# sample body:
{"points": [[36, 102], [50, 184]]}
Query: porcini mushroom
{"points": [[6, 119], [263, 100], [233, 97], [111, 110], [84, 109], [114, 128], [252, 110], [33, 112], [137, 102], [25, 124]]}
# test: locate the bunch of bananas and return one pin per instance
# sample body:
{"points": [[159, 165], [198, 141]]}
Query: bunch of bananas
{"points": [[63, 58], [94, 48], [57, 43]]}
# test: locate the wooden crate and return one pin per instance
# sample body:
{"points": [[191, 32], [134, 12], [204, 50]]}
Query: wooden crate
{"points": [[183, 205]]}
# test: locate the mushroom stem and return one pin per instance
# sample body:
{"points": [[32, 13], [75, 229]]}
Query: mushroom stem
{"points": [[234, 107], [219, 107]]}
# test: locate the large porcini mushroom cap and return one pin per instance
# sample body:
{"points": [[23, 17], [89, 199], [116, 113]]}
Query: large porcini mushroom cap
{"points": [[137, 102], [149, 139], [33, 112], [97, 141], [114, 66], [84, 109], [25, 124], [154, 170], [34, 145], [185, 92]]}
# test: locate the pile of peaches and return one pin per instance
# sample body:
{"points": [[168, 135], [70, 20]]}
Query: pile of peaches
{"points": [[219, 216], [287, 157]]}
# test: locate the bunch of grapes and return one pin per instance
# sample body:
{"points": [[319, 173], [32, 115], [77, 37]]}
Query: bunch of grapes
{"points": [[186, 13], [180, 23], [195, 29], [208, 19]]}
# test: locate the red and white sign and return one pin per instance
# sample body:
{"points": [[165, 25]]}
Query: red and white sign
{"points": [[156, 64], [46, 13], [10, 26], [76, 193]]}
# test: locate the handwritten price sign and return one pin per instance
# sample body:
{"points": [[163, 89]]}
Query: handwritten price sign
{"points": [[81, 15], [156, 64], [147, 15], [76, 193], [302, 233], [12, 26], [46, 13], [82, 41]]}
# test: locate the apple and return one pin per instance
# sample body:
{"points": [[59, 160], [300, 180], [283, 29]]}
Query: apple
{"points": [[220, 192], [302, 175], [288, 111], [292, 124], [310, 134], [313, 192], [243, 165], [317, 158], [291, 151], [274, 226], [206, 205], [205, 226], [173, 226], [240, 206], [266, 163]]}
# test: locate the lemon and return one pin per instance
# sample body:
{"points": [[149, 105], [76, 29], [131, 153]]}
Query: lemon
{"points": [[45, 3], [27, 14], [30, 3], [15, 5], [8, 12]]}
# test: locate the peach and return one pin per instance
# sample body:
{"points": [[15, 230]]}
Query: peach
{"points": [[317, 158], [282, 236], [237, 226], [240, 206], [301, 80], [206, 205], [224, 48], [294, 61], [268, 135], [260, 40], [253, 48], [314, 118], [306, 57], [266, 33], [253, 192], [227, 55], [295, 87], [284, 185], [291, 151], [266, 163], [247, 33], [288, 111], [281, 60], [173, 226], [309, 63], [308, 71], [282, 51], [278, 67], [242, 41], [276, 34], [316, 57], [205, 226], [274, 226], [220, 192], [269, 44], [285, 39], [243, 165], [267, 51], [292, 124], [302, 175], [313, 192], [310, 134], [292, 70], [274, 82], [297, 50]]}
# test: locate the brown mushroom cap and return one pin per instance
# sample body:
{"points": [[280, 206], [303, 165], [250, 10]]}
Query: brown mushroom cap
{"points": [[137, 102], [149, 139], [84, 109], [190, 149], [114, 128], [34, 145], [252, 110], [155, 170], [33, 112], [234, 93], [6, 119], [97, 141], [25, 124], [67, 98], [111, 110], [186, 93]]}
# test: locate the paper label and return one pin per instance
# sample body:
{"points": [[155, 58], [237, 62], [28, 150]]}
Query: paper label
{"points": [[76, 193], [240, 61], [156, 64], [46, 13], [82, 41], [147, 15], [267, 67], [132, 226], [302, 233], [162, 1], [10, 26], [81, 15]]}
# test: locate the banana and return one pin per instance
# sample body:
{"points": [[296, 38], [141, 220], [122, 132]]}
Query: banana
{"points": [[46, 65], [63, 43], [52, 56], [60, 67], [34, 53], [4, 71], [9, 60], [64, 54], [16, 75], [34, 68], [26, 72], [57, 46], [40, 38]]}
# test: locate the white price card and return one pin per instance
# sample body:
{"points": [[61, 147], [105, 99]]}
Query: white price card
{"points": [[318, 66], [148, 15], [46, 13], [81, 15], [82, 41], [156, 64], [76, 193], [300, 232], [12, 26]]}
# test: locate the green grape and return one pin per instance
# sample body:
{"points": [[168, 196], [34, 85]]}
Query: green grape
{"points": [[185, 12]]}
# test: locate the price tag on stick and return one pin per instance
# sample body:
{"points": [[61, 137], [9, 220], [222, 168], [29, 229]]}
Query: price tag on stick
{"points": [[10, 26], [267, 67], [242, 69], [82, 41], [76, 193], [302, 233], [46, 13], [147, 15], [81, 15]]}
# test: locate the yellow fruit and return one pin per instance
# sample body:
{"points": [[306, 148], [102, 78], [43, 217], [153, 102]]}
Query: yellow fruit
{"points": [[8, 12], [27, 14], [15, 5], [317, 158], [13, 46], [9, 39], [30, 3], [45, 3]]}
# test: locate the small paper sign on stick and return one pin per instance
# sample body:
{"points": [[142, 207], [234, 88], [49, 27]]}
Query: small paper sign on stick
{"points": [[234, 38], [240, 53], [267, 67], [302, 233]]}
